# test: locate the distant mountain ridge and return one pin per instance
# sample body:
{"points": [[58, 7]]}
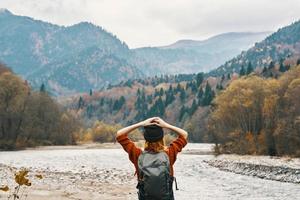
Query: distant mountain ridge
{"points": [[62, 57], [83, 56], [217, 38], [282, 44], [191, 56]]}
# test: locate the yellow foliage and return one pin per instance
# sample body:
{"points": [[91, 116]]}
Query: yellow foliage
{"points": [[249, 137], [21, 178], [270, 104], [258, 115], [39, 176], [87, 136], [4, 188]]}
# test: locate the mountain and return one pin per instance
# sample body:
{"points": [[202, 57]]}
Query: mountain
{"points": [[62, 57], [70, 59], [191, 56], [282, 45]]}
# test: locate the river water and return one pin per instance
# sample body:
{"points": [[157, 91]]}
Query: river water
{"points": [[196, 179]]}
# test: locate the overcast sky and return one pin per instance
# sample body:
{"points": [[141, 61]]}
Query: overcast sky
{"points": [[160, 22]]}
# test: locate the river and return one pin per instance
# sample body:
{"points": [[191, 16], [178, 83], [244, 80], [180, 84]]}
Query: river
{"points": [[108, 174]]}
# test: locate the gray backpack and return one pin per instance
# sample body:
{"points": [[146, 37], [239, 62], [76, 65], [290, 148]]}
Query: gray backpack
{"points": [[155, 182]]}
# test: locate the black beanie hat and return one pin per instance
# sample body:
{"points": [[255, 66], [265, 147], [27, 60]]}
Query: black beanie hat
{"points": [[153, 133]]}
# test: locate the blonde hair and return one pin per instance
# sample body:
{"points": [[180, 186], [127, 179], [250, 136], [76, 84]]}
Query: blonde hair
{"points": [[156, 147]]}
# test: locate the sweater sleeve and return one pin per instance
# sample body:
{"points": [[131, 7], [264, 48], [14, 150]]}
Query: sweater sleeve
{"points": [[129, 146], [175, 147]]}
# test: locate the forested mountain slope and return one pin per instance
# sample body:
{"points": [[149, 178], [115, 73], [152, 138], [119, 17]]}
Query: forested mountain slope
{"points": [[283, 44]]}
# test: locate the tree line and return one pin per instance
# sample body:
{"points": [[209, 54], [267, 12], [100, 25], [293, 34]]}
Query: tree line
{"points": [[30, 118], [257, 115], [153, 103]]}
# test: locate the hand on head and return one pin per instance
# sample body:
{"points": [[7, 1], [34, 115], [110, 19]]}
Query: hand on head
{"points": [[155, 121], [160, 122], [149, 121]]}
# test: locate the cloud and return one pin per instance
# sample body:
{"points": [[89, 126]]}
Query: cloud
{"points": [[160, 22]]}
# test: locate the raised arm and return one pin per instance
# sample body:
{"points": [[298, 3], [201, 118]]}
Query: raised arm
{"points": [[177, 130], [128, 145], [128, 129]]}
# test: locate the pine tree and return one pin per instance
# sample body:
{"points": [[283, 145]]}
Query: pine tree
{"points": [[193, 108], [182, 112], [271, 65], [200, 103], [199, 79], [264, 70], [102, 101], [208, 95], [161, 92], [170, 89], [281, 66], [298, 61], [138, 103], [116, 105], [178, 88], [223, 78], [141, 105], [89, 111], [91, 92], [182, 95], [249, 68], [169, 98], [242, 71], [166, 78], [80, 102], [149, 98], [194, 87], [43, 88], [110, 104], [128, 83], [138, 92], [122, 101], [109, 86], [187, 86], [228, 76], [200, 93], [119, 103], [219, 86], [158, 108], [156, 93]]}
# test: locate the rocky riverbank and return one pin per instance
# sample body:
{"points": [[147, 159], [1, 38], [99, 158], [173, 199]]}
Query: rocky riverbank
{"points": [[271, 168], [105, 172], [98, 184]]}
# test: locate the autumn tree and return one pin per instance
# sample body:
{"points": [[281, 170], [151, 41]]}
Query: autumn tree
{"points": [[13, 97], [239, 109], [260, 116]]}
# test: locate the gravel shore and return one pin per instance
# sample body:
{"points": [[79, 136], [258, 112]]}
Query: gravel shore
{"points": [[282, 169]]}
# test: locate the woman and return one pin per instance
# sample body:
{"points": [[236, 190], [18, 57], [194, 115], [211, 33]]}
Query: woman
{"points": [[153, 134]]}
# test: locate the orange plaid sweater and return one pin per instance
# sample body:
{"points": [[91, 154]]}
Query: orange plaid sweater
{"points": [[134, 152]]}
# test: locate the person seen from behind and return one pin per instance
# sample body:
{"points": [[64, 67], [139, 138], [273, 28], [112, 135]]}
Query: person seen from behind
{"points": [[153, 164]]}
